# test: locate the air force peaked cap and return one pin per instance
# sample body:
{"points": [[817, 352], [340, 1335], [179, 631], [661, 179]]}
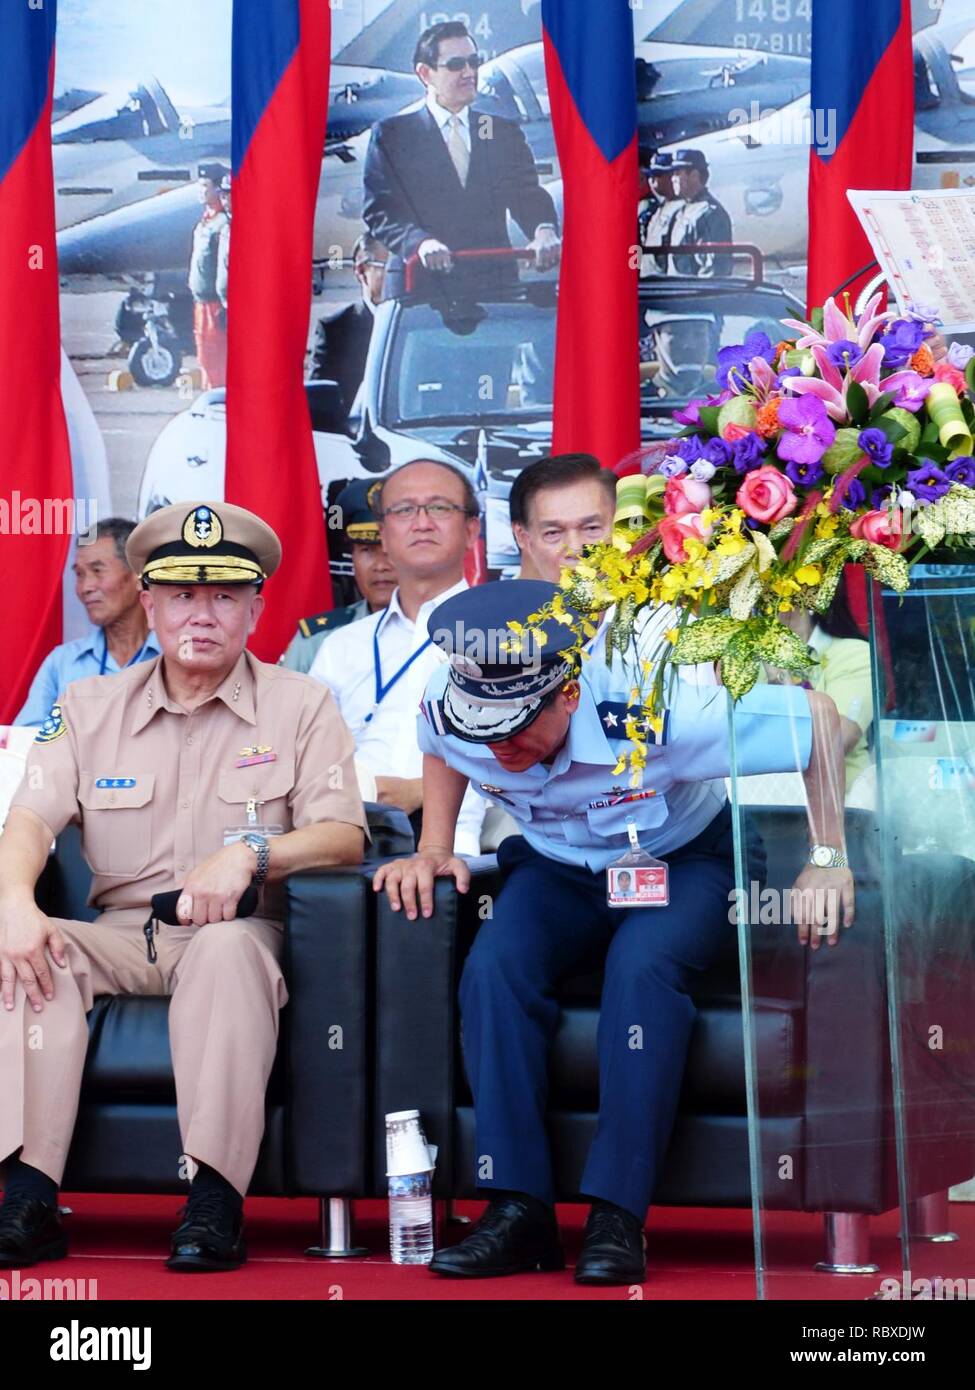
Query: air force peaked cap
{"points": [[202, 543], [492, 692]]}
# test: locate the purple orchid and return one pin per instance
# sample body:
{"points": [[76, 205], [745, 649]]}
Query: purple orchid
{"points": [[839, 327], [808, 430], [928, 482], [909, 388], [691, 413]]}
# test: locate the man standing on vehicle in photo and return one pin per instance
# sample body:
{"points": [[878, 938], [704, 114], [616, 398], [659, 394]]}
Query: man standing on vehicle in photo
{"points": [[443, 179], [209, 320], [701, 218]]}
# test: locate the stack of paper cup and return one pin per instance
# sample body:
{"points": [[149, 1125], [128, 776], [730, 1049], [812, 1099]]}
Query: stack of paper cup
{"points": [[407, 1150]]}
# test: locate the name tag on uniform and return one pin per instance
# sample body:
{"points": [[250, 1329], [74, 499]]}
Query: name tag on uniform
{"points": [[115, 782]]}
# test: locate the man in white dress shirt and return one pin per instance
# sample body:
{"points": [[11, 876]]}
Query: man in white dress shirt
{"points": [[378, 668]]}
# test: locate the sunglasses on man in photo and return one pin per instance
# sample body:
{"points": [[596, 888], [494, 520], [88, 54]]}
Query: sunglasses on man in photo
{"points": [[459, 64]]}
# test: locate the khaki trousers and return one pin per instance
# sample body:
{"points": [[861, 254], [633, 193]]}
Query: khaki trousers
{"points": [[226, 988]]}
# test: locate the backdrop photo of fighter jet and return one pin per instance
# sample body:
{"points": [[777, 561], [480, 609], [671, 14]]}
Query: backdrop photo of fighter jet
{"points": [[759, 166], [685, 93]]}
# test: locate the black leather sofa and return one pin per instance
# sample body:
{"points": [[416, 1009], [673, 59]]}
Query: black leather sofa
{"points": [[820, 1043], [317, 1139]]}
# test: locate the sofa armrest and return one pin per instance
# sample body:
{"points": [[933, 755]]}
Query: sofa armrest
{"points": [[417, 970], [325, 1030]]}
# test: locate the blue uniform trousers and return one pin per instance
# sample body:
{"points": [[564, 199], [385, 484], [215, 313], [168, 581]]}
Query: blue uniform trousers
{"points": [[548, 919]]}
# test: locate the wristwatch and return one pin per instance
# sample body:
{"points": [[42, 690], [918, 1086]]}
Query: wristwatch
{"points": [[262, 849], [826, 857]]}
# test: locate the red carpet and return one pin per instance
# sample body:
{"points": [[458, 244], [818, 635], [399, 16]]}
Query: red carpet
{"points": [[693, 1254]]}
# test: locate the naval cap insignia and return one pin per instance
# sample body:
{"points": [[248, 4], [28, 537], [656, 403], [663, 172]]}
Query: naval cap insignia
{"points": [[202, 529]]}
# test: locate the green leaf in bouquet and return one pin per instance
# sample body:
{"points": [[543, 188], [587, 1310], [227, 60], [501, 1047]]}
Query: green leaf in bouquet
{"points": [[781, 528], [816, 319], [740, 667], [621, 627], [880, 405], [708, 416], [830, 582], [705, 640], [730, 565], [929, 434], [780, 646], [857, 403], [894, 431], [745, 594], [818, 550], [970, 374], [889, 567], [933, 452]]}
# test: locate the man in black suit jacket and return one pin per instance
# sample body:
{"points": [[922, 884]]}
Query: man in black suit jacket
{"points": [[444, 178], [342, 342]]}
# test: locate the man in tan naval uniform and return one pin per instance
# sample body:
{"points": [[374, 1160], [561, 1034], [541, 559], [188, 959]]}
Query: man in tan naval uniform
{"points": [[163, 765]]}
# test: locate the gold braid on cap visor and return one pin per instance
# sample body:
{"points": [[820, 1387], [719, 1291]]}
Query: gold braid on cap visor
{"points": [[212, 569]]}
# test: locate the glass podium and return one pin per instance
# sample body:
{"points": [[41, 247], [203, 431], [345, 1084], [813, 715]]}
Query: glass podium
{"points": [[860, 1055]]}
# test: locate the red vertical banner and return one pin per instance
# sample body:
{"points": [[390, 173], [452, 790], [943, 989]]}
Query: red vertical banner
{"points": [[36, 508], [863, 128], [280, 71], [589, 59]]}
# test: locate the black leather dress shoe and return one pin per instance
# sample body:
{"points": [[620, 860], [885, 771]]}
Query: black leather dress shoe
{"points": [[512, 1237], [30, 1231], [614, 1250], [210, 1238]]}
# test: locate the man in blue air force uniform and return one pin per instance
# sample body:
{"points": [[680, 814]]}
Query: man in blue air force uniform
{"points": [[546, 747]]}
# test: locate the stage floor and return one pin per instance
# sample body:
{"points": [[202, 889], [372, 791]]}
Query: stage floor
{"points": [[693, 1254]]}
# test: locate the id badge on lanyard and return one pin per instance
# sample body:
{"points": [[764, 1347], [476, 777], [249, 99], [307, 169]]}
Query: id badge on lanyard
{"points": [[637, 879], [233, 833]]}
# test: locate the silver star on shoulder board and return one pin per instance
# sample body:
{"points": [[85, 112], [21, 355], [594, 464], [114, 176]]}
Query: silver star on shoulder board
{"points": [[610, 720]]}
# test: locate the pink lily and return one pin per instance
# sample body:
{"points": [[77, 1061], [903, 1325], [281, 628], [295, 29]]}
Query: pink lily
{"points": [[838, 326], [764, 380], [831, 385]]}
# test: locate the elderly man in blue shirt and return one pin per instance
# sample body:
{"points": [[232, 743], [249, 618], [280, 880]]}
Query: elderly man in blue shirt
{"points": [[522, 732], [120, 635]]}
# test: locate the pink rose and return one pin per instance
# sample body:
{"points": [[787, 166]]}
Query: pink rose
{"points": [[685, 494], [944, 371], [675, 530], [732, 433], [767, 495], [882, 528]]}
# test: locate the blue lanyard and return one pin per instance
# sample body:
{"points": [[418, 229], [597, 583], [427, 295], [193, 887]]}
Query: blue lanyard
{"points": [[138, 656], [383, 690]]}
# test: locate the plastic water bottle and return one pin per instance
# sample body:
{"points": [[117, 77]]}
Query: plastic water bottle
{"points": [[409, 1168], [410, 1219]]}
